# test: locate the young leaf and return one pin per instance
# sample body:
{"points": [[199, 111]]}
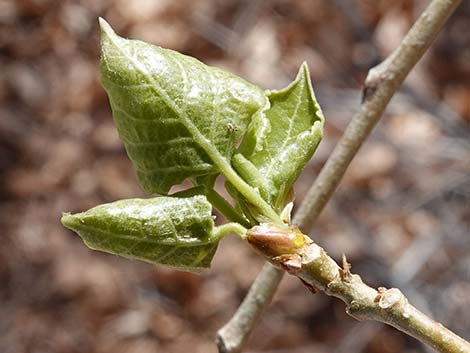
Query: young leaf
{"points": [[177, 117], [281, 141], [177, 232]]}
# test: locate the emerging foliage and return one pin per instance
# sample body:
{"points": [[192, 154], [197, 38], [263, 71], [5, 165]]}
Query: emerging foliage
{"points": [[180, 119], [175, 115], [280, 142], [177, 232]]}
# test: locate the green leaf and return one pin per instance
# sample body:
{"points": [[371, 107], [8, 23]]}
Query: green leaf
{"points": [[177, 117], [281, 141], [177, 232]]}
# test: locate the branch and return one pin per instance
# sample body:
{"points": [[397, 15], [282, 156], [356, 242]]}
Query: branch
{"points": [[300, 256], [380, 85], [232, 337]]}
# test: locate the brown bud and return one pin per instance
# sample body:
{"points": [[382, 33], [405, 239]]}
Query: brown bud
{"points": [[273, 240]]}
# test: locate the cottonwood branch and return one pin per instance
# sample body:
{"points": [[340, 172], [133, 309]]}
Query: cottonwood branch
{"points": [[317, 270], [380, 85]]}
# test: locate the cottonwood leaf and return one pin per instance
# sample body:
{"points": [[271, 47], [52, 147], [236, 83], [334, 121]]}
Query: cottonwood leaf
{"points": [[281, 141], [177, 117], [177, 232]]}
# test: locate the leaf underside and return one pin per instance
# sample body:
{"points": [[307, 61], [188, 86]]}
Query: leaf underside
{"points": [[280, 142], [176, 232], [175, 115]]}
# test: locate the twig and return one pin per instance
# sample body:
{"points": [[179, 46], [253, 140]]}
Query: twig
{"points": [[380, 85], [232, 337], [317, 270], [359, 336]]}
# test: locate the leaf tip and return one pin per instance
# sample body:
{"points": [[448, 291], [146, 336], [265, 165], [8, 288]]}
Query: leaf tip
{"points": [[304, 69], [304, 75], [106, 30], [69, 220], [105, 27]]}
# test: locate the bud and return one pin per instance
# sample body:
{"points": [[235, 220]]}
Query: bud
{"points": [[273, 240]]}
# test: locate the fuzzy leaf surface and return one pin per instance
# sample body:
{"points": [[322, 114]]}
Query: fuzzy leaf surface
{"points": [[178, 118], [176, 232], [280, 142]]}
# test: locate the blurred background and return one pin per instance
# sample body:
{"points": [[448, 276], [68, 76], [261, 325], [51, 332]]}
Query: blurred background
{"points": [[401, 215]]}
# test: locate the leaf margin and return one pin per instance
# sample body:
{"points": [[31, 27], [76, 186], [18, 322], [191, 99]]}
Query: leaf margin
{"points": [[259, 132]]}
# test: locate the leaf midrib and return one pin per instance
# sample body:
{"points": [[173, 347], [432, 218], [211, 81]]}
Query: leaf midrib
{"points": [[247, 191], [176, 243]]}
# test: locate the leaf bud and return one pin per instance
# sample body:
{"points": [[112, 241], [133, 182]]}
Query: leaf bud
{"points": [[273, 240]]}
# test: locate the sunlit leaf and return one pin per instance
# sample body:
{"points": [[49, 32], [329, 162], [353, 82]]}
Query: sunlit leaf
{"points": [[176, 232], [281, 141], [177, 117]]}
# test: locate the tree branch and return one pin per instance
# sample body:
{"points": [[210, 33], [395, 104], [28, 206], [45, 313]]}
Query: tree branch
{"points": [[232, 337], [300, 256], [380, 85]]}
